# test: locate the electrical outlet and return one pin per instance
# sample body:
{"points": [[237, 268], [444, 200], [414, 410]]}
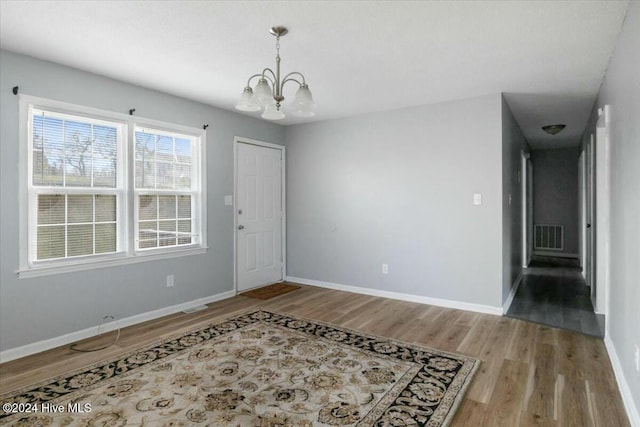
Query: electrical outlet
{"points": [[170, 281], [385, 268], [637, 358]]}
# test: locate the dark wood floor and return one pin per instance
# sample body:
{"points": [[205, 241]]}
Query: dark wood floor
{"points": [[553, 292]]}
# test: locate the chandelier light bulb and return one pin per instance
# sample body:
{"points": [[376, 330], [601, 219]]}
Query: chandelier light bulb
{"points": [[263, 95], [272, 113], [246, 101], [303, 105]]}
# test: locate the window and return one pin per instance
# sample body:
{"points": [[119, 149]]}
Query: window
{"points": [[164, 189], [106, 188], [75, 187]]}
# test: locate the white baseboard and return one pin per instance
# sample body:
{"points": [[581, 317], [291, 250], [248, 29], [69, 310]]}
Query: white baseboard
{"points": [[556, 254], [37, 347], [512, 293], [487, 309], [623, 386]]}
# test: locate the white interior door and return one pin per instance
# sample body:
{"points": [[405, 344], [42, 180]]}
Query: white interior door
{"points": [[259, 215]]}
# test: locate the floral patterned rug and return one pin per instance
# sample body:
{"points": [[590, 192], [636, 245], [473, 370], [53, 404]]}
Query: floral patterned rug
{"points": [[259, 369]]}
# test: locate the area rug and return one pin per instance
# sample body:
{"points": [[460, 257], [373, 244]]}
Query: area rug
{"points": [[270, 291], [262, 369]]}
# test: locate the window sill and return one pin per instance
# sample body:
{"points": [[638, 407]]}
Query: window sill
{"points": [[47, 270]]}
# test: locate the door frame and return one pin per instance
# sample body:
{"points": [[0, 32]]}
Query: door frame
{"points": [[603, 210], [582, 212], [248, 141], [525, 181], [591, 216]]}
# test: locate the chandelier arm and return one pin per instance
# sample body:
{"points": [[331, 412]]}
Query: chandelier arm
{"points": [[295, 73], [290, 79], [251, 78], [273, 78]]}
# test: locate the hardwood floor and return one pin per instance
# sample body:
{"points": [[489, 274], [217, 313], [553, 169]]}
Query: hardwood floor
{"points": [[530, 374], [553, 292]]}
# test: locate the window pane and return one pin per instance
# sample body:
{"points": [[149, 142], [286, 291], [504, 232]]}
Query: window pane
{"points": [[159, 225], [106, 238], [147, 207], [184, 206], [145, 156], [146, 174], [78, 154], [164, 148], [147, 234], [104, 172], [80, 240], [167, 207], [51, 243], [167, 233], [79, 209], [48, 150], [170, 155], [184, 232], [164, 175], [105, 208], [183, 150], [167, 226], [105, 156], [51, 209], [75, 152], [167, 241], [183, 176], [145, 146]]}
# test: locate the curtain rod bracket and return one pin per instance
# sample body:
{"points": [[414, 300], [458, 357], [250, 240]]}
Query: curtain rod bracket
{"points": [[15, 90], [131, 111], [205, 127]]}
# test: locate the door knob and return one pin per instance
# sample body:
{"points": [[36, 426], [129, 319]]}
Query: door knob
{"points": [[588, 225], [241, 227]]}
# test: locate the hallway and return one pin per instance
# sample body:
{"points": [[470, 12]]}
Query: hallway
{"points": [[553, 292]]}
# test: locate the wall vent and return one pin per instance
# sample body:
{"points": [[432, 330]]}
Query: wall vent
{"points": [[549, 237]]}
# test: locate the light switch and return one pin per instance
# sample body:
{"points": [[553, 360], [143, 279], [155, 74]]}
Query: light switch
{"points": [[477, 199], [228, 200]]}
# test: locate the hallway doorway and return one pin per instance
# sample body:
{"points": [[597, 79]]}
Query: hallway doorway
{"points": [[553, 292]]}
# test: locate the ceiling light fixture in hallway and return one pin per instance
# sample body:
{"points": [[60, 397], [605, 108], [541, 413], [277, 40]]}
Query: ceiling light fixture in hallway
{"points": [[553, 129]]}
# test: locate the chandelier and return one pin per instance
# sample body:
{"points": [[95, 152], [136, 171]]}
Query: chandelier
{"points": [[267, 95]]}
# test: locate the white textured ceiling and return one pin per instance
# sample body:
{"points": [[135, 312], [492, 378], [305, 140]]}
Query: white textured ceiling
{"points": [[548, 57]]}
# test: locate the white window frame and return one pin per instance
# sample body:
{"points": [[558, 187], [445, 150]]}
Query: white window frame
{"points": [[125, 187], [195, 170]]}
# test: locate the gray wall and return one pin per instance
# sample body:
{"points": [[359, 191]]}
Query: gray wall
{"points": [[555, 192], [621, 89], [513, 143], [32, 310], [396, 188]]}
